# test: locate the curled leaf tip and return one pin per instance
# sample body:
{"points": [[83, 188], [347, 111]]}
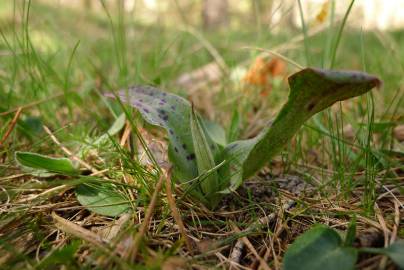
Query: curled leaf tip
{"points": [[340, 76]]}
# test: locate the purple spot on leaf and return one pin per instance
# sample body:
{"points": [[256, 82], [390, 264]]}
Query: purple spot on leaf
{"points": [[233, 146], [191, 156], [163, 117]]}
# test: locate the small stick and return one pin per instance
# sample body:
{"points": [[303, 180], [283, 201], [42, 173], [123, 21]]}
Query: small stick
{"points": [[72, 228], [149, 213], [32, 104], [125, 134], [277, 54], [174, 211], [389, 192], [235, 256], [396, 223], [276, 261], [227, 260], [236, 253], [11, 126], [46, 192], [78, 231], [382, 222], [251, 248]]}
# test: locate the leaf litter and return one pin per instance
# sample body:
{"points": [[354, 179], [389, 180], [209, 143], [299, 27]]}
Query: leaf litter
{"points": [[245, 208]]}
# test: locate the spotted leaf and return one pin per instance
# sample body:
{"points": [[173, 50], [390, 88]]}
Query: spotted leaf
{"points": [[172, 113]]}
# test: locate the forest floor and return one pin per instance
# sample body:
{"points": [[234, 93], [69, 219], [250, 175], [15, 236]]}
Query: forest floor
{"points": [[345, 164]]}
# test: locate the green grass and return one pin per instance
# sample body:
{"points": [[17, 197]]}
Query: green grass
{"points": [[56, 63]]}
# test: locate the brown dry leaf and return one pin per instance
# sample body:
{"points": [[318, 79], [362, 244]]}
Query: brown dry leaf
{"points": [[158, 147], [323, 14], [262, 71], [399, 133], [277, 67], [257, 74]]}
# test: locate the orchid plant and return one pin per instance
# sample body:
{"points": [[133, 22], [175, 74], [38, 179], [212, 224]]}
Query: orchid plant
{"points": [[207, 168]]}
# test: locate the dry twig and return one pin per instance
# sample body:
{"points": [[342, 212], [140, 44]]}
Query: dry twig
{"points": [[11, 126], [69, 153], [78, 231], [175, 213], [235, 256], [32, 104], [251, 248], [143, 227]]}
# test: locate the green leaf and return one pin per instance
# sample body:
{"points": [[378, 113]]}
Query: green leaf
{"points": [[215, 131], [395, 252], [311, 91], [103, 141], [319, 248], [102, 199], [204, 160], [350, 236], [117, 125], [235, 155], [234, 129], [172, 113], [41, 165]]}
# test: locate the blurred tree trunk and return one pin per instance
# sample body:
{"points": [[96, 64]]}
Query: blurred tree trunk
{"points": [[88, 5], [215, 13]]}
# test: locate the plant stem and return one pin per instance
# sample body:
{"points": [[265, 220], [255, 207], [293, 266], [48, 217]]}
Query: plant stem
{"points": [[285, 126]]}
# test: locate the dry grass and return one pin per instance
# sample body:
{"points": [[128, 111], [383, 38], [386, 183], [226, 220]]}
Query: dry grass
{"points": [[328, 174], [250, 230]]}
